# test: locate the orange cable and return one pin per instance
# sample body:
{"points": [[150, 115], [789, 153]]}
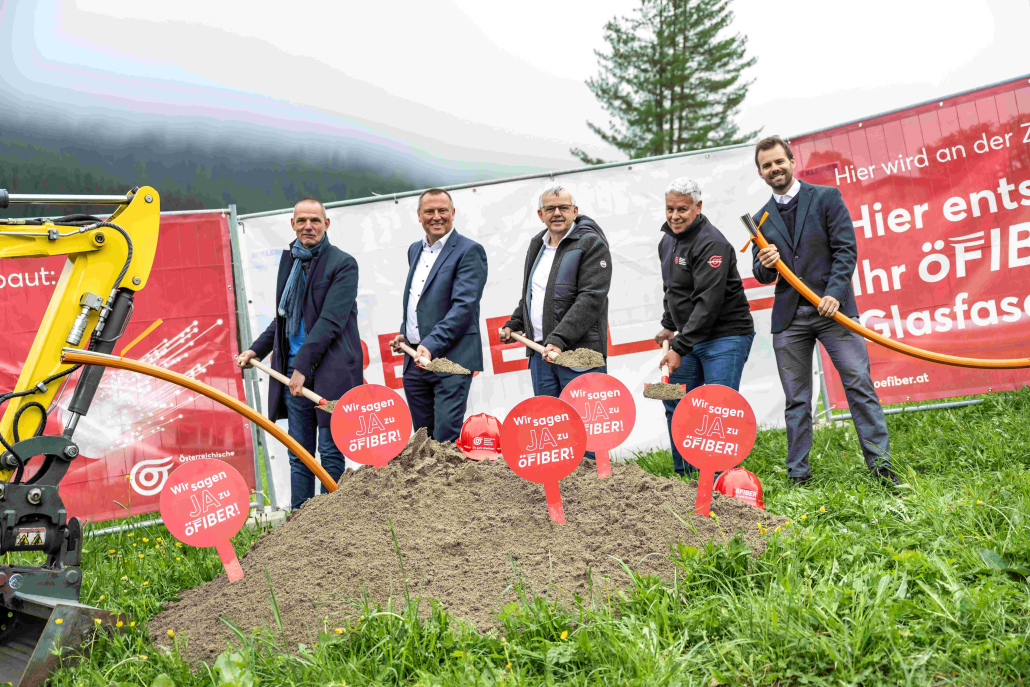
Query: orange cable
{"points": [[811, 297], [72, 355]]}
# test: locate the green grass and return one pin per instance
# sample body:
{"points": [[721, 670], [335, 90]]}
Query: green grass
{"points": [[925, 585]]}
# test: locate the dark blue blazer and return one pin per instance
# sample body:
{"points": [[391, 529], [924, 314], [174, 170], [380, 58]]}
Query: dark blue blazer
{"points": [[448, 310], [331, 356], [823, 253]]}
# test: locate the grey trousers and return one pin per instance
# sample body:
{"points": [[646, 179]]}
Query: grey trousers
{"points": [[847, 350]]}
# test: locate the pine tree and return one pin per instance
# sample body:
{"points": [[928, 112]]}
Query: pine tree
{"points": [[671, 79]]}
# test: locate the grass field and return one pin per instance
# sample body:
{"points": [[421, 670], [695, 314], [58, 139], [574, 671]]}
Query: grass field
{"points": [[925, 585]]}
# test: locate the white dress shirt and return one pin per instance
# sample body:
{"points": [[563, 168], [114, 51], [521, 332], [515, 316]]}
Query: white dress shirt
{"points": [[538, 285], [791, 192], [426, 259]]}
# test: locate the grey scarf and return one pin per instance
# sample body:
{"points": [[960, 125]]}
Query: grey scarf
{"points": [[291, 305]]}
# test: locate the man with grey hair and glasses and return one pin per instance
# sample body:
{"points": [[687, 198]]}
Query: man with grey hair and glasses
{"points": [[564, 302], [706, 318]]}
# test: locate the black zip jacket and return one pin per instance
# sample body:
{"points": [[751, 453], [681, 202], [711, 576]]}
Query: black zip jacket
{"points": [[704, 295], [576, 301]]}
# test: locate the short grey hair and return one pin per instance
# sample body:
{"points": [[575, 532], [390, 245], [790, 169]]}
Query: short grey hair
{"points": [[685, 186], [553, 190]]}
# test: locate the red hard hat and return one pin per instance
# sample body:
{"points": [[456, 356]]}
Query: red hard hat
{"points": [[742, 485], [480, 437]]}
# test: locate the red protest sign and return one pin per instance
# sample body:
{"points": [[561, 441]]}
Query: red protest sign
{"points": [[543, 440], [608, 412], [714, 429], [205, 503], [371, 424]]}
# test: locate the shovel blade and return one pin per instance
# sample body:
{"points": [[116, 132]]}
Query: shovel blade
{"points": [[33, 647]]}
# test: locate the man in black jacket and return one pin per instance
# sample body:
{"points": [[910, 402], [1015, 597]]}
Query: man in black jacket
{"points": [[707, 319], [313, 340], [564, 302], [809, 228]]}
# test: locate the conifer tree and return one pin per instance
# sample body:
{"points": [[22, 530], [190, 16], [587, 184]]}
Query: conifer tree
{"points": [[671, 79]]}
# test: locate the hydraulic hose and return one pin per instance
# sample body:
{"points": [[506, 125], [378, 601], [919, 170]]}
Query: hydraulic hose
{"points": [[811, 297]]}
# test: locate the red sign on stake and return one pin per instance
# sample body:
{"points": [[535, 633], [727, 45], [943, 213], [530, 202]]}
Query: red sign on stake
{"points": [[543, 440], [608, 412], [714, 429], [371, 425], [205, 503]]}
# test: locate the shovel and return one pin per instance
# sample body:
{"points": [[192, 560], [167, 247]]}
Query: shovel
{"points": [[442, 365], [553, 356], [307, 393], [664, 391]]}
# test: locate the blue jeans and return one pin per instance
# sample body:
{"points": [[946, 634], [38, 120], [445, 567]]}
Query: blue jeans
{"points": [[303, 426], [716, 361], [550, 380]]}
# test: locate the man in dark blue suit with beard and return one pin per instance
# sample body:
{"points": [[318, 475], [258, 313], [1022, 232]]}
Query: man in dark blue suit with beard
{"points": [[446, 276], [810, 229]]}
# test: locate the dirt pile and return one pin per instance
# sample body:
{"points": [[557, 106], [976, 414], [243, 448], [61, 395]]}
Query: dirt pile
{"points": [[664, 392], [466, 532], [447, 367], [581, 357]]}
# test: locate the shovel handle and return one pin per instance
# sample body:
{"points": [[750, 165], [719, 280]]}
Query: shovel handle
{"points": [[308, 393], [665, 368], [533, 345], [421, 360]]}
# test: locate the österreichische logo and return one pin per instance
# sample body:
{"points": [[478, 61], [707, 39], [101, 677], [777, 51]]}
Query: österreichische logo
{"points": [[148, 477]]}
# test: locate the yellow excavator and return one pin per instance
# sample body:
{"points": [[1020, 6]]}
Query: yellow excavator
{"points": [[109, 260]]}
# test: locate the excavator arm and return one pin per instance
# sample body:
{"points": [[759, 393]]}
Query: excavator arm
{"points": [[109, 260]]}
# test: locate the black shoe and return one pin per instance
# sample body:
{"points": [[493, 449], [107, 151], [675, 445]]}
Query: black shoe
{"points": [[800, 481], [887, 477]]}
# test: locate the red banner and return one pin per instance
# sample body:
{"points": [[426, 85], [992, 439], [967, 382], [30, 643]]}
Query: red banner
{"points": [[940, 198], [138, 428]]}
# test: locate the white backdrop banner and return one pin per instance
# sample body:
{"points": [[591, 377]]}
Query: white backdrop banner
{"points": [[626, 201]]}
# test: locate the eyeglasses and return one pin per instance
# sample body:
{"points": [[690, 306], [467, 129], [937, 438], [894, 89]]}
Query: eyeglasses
{"points": [[549, 209]]}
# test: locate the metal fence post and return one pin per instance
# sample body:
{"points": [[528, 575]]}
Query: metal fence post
{"points": [[250, 383]]}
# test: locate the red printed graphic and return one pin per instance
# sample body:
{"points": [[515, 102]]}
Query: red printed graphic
{"points": [[543, 440], [608, 413], [480, 437], [205, 503], [939, 195], [714, 429], [715, 260], [371, 424]]}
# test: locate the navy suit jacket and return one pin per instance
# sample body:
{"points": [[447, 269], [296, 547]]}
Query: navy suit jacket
{"points": [[823, 253], [331, 355], [448, 310]]}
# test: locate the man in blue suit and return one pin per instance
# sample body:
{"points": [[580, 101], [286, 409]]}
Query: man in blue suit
{"points": [[809, 228], [446, 277]]}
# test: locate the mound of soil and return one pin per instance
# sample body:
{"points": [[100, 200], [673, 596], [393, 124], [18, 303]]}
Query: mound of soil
{"points": [[466, 530]]}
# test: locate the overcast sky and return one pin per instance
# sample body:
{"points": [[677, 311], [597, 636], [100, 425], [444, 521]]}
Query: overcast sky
{"points": [[504, 77]]}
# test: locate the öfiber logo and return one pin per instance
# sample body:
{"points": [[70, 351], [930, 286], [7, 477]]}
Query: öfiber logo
{"points": [[715, 260]]}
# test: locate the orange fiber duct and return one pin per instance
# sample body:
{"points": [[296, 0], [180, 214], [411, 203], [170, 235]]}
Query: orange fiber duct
{"points": [[811, 297], [74, 355]]}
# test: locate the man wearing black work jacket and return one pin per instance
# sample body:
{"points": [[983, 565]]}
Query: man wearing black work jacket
{"points": [[706, 318], [564, 303], [313, 340]]}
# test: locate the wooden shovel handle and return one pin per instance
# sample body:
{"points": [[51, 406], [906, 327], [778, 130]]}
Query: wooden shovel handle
{"points": [[308, 393], [665, 368], [534, 346], [421, 360]]}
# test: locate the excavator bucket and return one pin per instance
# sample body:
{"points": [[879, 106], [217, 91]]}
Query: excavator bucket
{"points": [[44, 634]]}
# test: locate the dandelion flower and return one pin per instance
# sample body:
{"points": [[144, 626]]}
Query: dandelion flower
{"points": [[158, 539], [979, 502], [96, 621], [171, 634], [59, 621], [145, 584], [778, 528], [338, 630], [141, 555], [565, 634], [110, 550], [178, 544], [145, 540], [124, 577], [132, 623], [130, 534], [822, 509], [178, 558], [509, 666], [119, 623], [804, 516], [102, 597]]}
